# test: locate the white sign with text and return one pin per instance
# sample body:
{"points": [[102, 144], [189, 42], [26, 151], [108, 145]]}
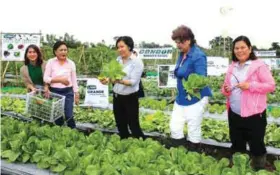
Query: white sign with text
{"points": [[154, 53], [267, 53], [97, 94]]}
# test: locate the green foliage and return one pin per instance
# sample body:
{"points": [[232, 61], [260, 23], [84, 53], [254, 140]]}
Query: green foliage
{"points": [[151, 89], [214, 129], [112, 70], [99, 154], [216, 108], [275, 112], [13, 90], [13, 104], [150, 103], [194, 84], [277, 165]]}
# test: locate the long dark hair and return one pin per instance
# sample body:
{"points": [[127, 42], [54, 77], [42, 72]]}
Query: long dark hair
{"points": [[39, 60], [252, 55]]}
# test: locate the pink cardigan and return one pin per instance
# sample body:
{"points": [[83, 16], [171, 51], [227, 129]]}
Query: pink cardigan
{"points": [[261, 82]]}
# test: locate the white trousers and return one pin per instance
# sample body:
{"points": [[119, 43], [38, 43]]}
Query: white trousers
{"points": [[192, 115]]}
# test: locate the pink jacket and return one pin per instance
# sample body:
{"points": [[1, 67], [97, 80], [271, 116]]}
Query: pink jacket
{"points": [[253, 100]]}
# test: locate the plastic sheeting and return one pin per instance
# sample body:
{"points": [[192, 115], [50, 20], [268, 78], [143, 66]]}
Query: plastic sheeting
{"points": [[22, 169]]}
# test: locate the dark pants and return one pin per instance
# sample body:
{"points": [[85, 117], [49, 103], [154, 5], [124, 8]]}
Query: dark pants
{"points": [[68, 107], [126, 112], [250, 129]]}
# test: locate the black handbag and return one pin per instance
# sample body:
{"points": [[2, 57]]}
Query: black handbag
{"points": [[141, 92]]}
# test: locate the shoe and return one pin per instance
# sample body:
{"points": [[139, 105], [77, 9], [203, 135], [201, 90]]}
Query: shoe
{"points": [[179, 142], [258, 162], [197, 147]]}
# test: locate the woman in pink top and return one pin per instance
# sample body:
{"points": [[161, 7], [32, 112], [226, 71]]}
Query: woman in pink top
{"points": [[246, 85], [60, 74]]}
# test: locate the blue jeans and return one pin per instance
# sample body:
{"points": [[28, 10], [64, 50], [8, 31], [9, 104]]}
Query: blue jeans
{"points": [[68, 107]]}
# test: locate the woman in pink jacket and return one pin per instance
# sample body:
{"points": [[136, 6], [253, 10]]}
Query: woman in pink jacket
{"points": [[246, 85]]}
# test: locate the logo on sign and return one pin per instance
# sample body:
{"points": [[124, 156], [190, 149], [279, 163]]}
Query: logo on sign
{"points": [[91, 87]]}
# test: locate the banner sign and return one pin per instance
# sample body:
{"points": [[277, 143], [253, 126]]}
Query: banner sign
{"points": [[216, 66], [166, 78], [268, 53], [154, 53], [15, 44]]}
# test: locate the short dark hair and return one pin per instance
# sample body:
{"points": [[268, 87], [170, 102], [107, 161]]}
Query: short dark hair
{"points": [[57, 45], [135, 53], [127, 40], [183, 33], [252, 55], [39, 60]]}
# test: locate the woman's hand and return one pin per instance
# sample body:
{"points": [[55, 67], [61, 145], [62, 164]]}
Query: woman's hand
{"points": [[64, 81], [31, 88], [46, 91], [227, 88], [243, 85], [118, 81], [77, 98], [104, 81]]}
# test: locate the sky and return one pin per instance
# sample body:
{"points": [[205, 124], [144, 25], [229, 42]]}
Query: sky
{"points": [[144, 20]]}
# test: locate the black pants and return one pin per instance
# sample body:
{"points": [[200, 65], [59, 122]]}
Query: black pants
{"points": [[250, 129], [68, 106], [126, 112]]}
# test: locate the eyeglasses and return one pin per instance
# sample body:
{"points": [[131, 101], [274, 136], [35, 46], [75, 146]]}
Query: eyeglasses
{"points": [[179, 42], [236, 80]]}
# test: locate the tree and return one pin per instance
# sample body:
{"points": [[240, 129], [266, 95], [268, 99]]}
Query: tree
{"points": [[50, 40], [115, 38], [255, 47], [71, 42], [275, 46], [220, 46]]}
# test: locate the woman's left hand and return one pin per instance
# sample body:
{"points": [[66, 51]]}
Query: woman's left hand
{"points": [[77, 98], [243, 85], [46, 92]]}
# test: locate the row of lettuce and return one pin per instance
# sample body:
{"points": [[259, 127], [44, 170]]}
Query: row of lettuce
{"points": [[165, 105], [151, 89], [69, 152], [153, 122]]}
